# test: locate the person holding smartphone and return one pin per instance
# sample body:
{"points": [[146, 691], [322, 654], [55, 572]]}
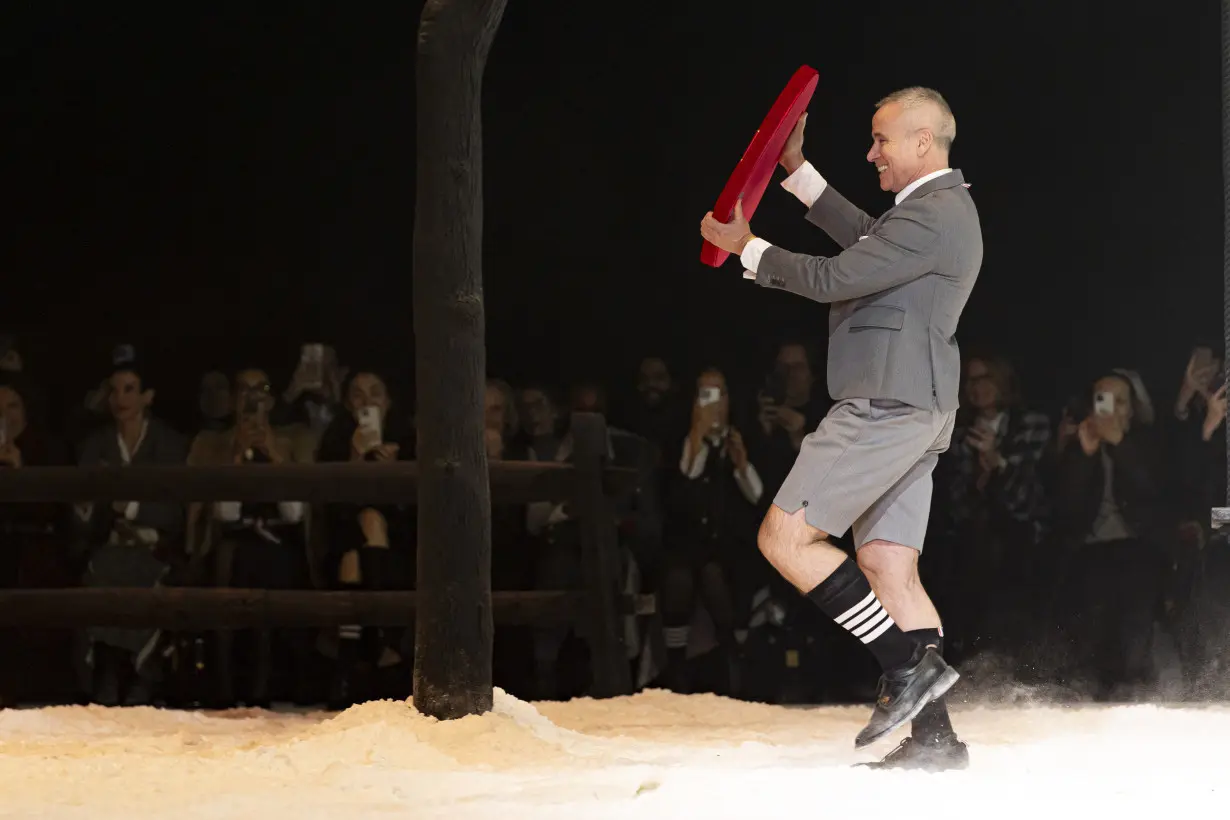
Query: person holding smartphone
{"points": [[261, 545], [1113, 515], [711, 519], [370, 546]]}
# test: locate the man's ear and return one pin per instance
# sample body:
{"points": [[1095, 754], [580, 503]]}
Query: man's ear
{"points": [[925, 138]]}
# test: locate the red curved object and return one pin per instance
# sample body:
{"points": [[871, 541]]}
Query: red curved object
{"points": [[751, 176]]}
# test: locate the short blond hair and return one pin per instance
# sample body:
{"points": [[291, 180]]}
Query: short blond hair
{"points": [[917, 95]]}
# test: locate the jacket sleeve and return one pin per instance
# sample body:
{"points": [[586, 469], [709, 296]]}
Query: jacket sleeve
{"points": [[1018, 489], [904, 247], [841, 219]]}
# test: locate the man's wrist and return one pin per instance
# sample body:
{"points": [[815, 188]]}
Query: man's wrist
{"points": [[792, 164], [743, 243]]}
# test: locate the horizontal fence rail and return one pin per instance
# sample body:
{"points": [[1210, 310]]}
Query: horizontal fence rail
{"points": [[191, 608], [512, 482]]}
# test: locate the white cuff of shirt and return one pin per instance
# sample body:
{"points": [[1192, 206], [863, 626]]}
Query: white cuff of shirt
{"points": [[806, 184], [227, 510], [290, 511], [130, 511], [750, 484], [750, 257]]}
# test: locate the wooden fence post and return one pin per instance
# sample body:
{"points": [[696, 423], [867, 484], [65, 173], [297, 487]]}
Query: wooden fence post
{"points": [[600, 560]]}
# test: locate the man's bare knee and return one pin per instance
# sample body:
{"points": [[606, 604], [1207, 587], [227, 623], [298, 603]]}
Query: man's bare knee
{"points": [[781, 531]]}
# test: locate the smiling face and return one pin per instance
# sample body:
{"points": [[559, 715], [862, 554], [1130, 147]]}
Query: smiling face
{"points": [[897, 147]]}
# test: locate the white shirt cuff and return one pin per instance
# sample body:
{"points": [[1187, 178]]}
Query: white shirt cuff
{"points": [[130, 511], [291, 512], [687, 466], [751, 256], [806, 184], [750, 484]]}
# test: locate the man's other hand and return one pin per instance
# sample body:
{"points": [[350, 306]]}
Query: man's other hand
{"points": [[732, 236], [792, 152]]}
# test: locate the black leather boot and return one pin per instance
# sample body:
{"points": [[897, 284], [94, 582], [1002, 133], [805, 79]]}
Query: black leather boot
{"points": [[946, 754], [904, 692]]}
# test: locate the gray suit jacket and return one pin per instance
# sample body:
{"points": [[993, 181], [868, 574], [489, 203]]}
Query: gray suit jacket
{"points": [[897, 291]]}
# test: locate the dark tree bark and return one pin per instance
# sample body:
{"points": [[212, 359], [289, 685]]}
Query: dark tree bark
{"points": [[453, 632]]}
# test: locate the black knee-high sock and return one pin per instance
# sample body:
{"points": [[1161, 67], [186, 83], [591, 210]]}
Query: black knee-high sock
{"points": [[847, 598], [932, 725]]}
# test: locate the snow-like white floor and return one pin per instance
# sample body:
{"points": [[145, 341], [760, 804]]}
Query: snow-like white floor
{"points": [[651, 755]]}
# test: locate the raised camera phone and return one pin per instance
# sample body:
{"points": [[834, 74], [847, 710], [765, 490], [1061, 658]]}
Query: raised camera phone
{"points": [[1104, 403], [369, 423], [708, 395]]}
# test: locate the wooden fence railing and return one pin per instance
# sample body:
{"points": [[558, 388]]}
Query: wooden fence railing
{"points": [[589, 484]]}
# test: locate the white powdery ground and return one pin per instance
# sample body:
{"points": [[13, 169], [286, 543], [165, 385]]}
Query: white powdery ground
{"points": [[651, 755]]}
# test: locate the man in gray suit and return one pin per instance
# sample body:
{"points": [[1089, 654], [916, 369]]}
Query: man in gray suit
{"points": [[896, 290]]}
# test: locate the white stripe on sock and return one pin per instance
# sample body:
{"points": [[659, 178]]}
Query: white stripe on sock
{"points": [[880, 630], [871, 624], [864, 615], [676, 637], [854, 610]]}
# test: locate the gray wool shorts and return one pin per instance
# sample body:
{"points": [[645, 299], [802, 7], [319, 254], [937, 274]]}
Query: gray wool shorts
{"points": [[868, 466]]}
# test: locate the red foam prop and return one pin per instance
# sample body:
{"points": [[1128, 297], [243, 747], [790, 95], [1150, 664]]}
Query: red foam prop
{"points": [[751, 176]]}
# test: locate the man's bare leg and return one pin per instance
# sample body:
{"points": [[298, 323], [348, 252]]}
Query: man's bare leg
{"points": [[892, 570], [831, 580]]}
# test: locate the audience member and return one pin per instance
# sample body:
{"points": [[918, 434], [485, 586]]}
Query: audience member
{"points": [[128, 543], [712, 518], [370, 546], [1111, 512]]}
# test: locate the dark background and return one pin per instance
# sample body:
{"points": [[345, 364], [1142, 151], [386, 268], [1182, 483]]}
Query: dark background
{"points": [[221, 184]]}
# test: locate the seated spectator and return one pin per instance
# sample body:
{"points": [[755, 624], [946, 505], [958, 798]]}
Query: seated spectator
{"points": [[1112, 513], [711, 521], [33, 554], [996, 502], [370, 546], [253, 545], [553, 527], [128, 543], [1196, 608]]}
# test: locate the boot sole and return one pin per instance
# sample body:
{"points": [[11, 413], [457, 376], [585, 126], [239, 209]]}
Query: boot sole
{"points": [[942, 684]]}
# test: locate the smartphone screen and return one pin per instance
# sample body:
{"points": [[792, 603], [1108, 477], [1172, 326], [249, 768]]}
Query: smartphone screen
{"points": [[1104, 403], [708, 395], [369, 423]]}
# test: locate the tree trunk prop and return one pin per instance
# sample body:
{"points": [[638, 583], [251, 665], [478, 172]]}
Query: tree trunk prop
{"points": [[453, 631]]}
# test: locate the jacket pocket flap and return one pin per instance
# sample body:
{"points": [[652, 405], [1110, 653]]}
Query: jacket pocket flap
{"points": [[885, 316]]}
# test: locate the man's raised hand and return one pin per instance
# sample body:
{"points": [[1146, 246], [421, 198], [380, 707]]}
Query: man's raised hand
{"points": [[732, 236], [792, 152]]}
